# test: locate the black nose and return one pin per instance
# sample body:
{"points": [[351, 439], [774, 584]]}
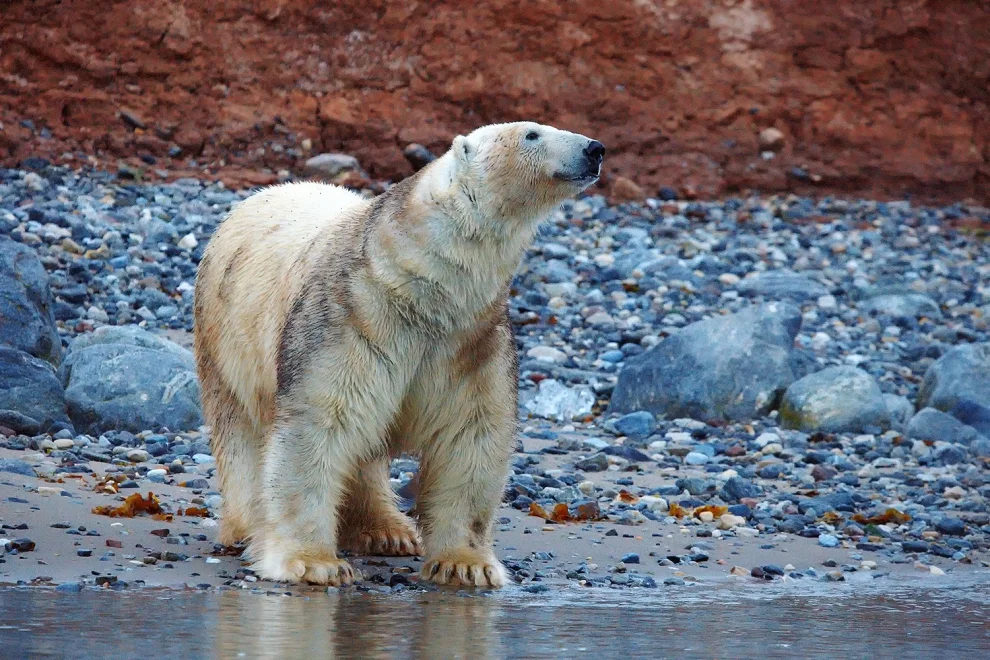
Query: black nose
{"points": [[595, 153]]}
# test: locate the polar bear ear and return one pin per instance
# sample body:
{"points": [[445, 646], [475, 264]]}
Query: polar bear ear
{"points": [[463, 150]]}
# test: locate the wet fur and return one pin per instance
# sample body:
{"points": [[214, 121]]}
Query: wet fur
{"points": [[333, 332]]}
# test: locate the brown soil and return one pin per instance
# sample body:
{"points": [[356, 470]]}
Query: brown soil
{"points": [[873, 97]]}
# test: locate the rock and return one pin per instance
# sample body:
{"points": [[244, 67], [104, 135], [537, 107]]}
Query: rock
{"points": [[546, 354], [331, 165], [137, 455], [828, 541], [959, 383], [69, 587], [730, 521], [823, 472], [950, 526], [696, 458], [631, 558], [418, 156], [902, 306], [596, 463], [932, 424], [782, 285], [835, 400], [26, 319], [31, 396], [187, 242], [626, 190], [555, 400], [737, 488], [125, 378], [771, 139], [724, 368], [636, 425], [16, 466]]}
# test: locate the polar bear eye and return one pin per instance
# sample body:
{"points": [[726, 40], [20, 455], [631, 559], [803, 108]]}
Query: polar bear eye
{"points": [[532, 135]]}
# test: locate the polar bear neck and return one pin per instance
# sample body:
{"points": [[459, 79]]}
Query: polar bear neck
{"points": [[435, 249]]}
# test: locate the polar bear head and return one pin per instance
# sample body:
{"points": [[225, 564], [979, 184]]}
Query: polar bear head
{"points": [[523, 170]]}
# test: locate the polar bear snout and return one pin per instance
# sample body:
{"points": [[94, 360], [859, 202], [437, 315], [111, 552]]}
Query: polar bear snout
{"points": [[584, 164], [595, 154]]}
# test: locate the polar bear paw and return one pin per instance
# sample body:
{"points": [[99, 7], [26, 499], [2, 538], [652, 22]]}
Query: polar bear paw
{"points": [[465, 566]]}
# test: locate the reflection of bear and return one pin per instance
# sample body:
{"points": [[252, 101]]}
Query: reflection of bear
{"points": [[332, 332]]}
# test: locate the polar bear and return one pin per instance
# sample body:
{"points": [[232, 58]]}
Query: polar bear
{"points": [[332, 332]]}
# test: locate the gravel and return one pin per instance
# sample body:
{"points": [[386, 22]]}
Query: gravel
{"points": [[658, 343]]}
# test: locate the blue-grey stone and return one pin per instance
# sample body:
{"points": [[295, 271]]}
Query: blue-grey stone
{"points": [[736, 488], [636, 425], [27, 322], [828, 541], [951, 526], [31, 396], [932, 424], [959, 383], [724, 368], [130, 379], [835, 400], [16, 466]]}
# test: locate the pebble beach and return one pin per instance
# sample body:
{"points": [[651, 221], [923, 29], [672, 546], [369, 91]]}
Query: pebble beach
{"points": [[757, 389]]}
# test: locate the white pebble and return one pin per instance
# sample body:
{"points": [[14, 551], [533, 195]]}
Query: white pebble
{"points": [[188, 242]]}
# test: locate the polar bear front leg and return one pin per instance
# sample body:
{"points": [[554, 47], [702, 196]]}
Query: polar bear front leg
{"points": [[306, 468], [466, 428]]}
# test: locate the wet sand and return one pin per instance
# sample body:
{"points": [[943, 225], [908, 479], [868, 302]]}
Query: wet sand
{"points": [[40, 503]]}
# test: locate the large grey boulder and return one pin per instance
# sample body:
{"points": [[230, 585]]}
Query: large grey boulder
{"points": [[31, 397], [724, 368], [128, 379], [959, 383], [26, 320], [835, 400], [931, 424], [782, 285]]}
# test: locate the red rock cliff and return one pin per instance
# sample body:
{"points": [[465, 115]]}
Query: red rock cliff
{"points": [[872, 97]]}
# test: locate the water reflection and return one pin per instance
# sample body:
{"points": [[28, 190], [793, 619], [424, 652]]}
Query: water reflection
{"points": [[696, 623], [344, 626]]}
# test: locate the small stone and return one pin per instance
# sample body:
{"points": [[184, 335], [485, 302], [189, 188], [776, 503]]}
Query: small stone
{"points": [[137, 455], [21, 545], [739, 571], [547, 354], [94, 313], [696, 458], [418, 156], [951, 526], [331, 165], [828, 541], [771, 139], [706, 516], [188, 242], [84, 552], [730, 521], [626, 190], [935, 570], [631, 558], [64, 443], [596, 463]]}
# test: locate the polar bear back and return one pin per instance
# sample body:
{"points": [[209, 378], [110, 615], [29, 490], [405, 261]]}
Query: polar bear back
{"points": [[252, 271]]}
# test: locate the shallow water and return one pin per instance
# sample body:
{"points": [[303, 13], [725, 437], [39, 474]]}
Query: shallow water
{"points": [[766, 621]]}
